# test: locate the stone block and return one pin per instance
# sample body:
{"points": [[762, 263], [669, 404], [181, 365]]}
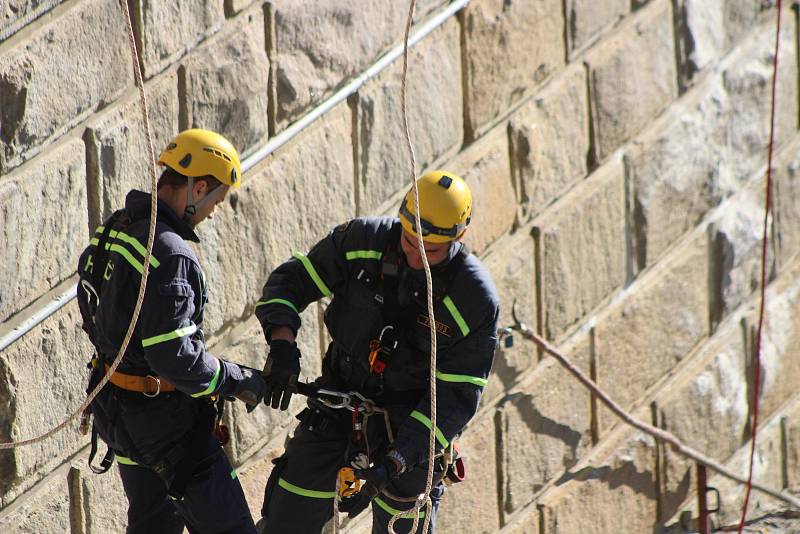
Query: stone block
{"points": [[530, 32], [320, 43], [580, 247], [16, 13], [786, 198], [36, 238], [485, 168], [166, 30], [232, 7], [44, 509], [511, 265], [586, 19], [225, 84], [790, 420], [104, 506], [472, 505], [545, 429], [253, 478], [615, 492], [550, 144], [116, 145], [275, 212], [657, 323], [44, 92], [42, 381], [637, 64], [434, 115]]}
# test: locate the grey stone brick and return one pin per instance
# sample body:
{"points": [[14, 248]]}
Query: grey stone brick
{"points": [[46, 510], [13, 13], [786, 197], [586, 19], [103, 501]]}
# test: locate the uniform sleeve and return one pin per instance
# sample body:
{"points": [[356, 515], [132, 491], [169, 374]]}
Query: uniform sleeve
{"points": [[173, 344], [462, 373], [303, 279]]}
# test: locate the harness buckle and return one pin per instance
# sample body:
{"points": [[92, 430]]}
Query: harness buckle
{"points": [[158, 387]]}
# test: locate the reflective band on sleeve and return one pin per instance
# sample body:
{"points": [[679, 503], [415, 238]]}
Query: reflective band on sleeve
{"points": [[445, 377], [363, 255], [212, 386], [125, 461], [94, 241], [314, 494], [100, 229], [451, 307], [422, 418], [394, 511], [169, 336], [277, 301], [313, 274]]}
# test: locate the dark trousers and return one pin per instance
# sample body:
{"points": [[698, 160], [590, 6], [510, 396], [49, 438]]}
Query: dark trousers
{"points": [[300, 490], [213, 503]]}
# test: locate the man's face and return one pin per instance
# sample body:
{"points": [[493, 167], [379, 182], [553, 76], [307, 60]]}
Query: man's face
{"points": [[206, 211], [436, 252]]}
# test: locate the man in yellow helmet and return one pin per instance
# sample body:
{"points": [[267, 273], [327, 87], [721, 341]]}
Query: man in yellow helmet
{"points": [[157, 414], [378, 320]]}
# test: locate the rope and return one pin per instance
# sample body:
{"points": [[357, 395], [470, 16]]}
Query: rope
{"points": [[146, 264], [764, 242], [659, 434]]}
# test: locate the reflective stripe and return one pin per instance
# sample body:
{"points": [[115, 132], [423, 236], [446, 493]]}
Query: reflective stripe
{"points": [[141, 249], [422, 418], [233, 474], [445, 377], [277, 301], [212, 386], [127, 255], [363, 255], [451, 307], [314, 494], [94, 241], [394, 511], [125, 461], [169, 336], [100, 229], [313, 274]]}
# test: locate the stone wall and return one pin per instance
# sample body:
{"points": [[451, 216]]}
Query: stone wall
{"points": [[617, 150]]}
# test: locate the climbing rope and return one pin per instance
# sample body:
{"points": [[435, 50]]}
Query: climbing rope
{"points": [[764, 242], [145, 270]]}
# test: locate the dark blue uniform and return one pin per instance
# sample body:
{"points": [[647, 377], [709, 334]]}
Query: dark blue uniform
{"points": [[353, 264], [170, 433]]}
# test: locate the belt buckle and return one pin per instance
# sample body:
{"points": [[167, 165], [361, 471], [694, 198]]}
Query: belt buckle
{"points": [[158, 386]]}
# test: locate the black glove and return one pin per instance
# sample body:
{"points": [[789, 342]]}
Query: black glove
{"points": [[281, 372], [377, 478], [251, 388]]}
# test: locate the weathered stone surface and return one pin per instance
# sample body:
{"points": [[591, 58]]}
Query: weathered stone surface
{"points": [[510, 262], [13, 13], [614, 493], [166, 29], [581, 248], [587, 18], [495, 31], [485, 168], [276, 211], [636, 65], [44, 91], [104, 504], [545, 430], [721, 128], [786, 199], [117, 150], [36, 238], [45, 509], [319, 43], [791, 423], [234, 6], [550, 140], [42, 381], [472, 506], [434, 115], [253, 478], [654, 326], [225, 85]]}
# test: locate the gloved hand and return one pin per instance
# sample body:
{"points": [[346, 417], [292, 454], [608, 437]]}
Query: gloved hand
{"points": [[377, 477], [281, 372], [251, 388]]}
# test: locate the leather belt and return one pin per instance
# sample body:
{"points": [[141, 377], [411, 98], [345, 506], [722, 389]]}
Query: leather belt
{"points": [[149, 386]]}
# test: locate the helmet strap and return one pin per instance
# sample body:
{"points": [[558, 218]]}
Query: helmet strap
{"points": [[210, 196], [190, 209]]}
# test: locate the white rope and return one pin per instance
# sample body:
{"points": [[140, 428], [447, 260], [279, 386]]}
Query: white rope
{"points": [[145, 270]]}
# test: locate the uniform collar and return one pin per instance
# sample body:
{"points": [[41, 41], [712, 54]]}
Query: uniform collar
{"points": [[138, 205]]}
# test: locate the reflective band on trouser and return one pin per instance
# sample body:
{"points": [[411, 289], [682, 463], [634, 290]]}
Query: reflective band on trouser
{"points": [[445, 377], [169, 336], [312, 272], [422, 418], [277, 301], [394, 511], [125, 461], [451, 307], [297, 490], [363, 255], [212, 386]]}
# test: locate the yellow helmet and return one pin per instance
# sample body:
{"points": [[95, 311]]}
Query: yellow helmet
{"points": [[445, 207], [198, 152]]}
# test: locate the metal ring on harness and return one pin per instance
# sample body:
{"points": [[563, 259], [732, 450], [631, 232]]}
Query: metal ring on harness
{"points": [[158, 387]]}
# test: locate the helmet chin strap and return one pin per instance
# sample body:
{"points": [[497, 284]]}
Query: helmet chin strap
{"points": [[190, 209]]}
